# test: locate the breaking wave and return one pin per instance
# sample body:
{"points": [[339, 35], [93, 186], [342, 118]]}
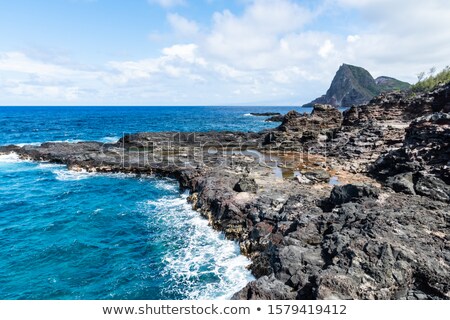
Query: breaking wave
{"points": [[202, 264]]}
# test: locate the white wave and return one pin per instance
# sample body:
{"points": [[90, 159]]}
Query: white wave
{"points": [[247, 115], [11, 162], [109, 139], [96, 211], [202, 253], [48, 165], [28, 144], [70, 175], [51, 141], [105, 139], [165, 184], [10, 158], [65, 174], [66, 141]]}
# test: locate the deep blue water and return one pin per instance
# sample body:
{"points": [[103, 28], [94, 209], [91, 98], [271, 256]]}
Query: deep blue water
{"points": [[38, 124], [68, 235]]}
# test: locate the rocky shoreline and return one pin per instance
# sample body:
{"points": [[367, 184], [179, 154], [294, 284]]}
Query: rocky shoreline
{"points": [[327, 205]]}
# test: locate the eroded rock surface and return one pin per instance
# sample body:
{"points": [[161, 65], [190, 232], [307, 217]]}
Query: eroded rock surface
{"points": [[423, 159]]}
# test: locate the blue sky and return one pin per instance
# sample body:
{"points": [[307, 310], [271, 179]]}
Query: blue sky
{"points": [[208, 52]]}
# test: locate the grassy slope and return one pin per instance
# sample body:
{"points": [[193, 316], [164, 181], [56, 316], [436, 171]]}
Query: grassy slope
{"points": [[364, 80], [387, 84], [433, 81]]}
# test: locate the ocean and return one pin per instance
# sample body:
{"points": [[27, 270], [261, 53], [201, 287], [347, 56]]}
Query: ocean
{"points": [[72, 235]]}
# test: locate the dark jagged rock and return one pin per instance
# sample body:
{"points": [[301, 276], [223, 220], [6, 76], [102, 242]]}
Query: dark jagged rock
{"points": [[380, 258], [277, 118], [317, 176], [357, 147], [246, 185], [265, 114], [291, 120], [403, 182], [426, 148], [380, 127], [266, 288], [351, 193], [430, 186], [399, 106], [298, 129], [385, 107], [322, 117]]}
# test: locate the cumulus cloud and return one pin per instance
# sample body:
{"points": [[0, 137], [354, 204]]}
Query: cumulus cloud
{"points": [[249, 53], [401, 36], [326, 49], [248, 38], [353, 38], [272, 52], [48, 92], [186, 52], [177, 61], [21, 63], [29, 79], [181, 25]]}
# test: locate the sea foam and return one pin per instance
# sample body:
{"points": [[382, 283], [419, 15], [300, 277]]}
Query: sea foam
{"points": [[203, 263], [70, 175], [109, 139], [28, 144], [10, 158], [200, 262]]}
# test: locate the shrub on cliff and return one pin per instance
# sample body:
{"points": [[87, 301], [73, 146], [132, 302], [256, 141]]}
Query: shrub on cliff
{"points": [[432, 81]]}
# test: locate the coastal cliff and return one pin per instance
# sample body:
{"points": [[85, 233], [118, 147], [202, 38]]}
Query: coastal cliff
{"points": [[354, 85], [327, 205]]}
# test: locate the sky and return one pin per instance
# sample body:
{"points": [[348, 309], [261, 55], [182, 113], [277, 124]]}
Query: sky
{"points": [[209, 52]]}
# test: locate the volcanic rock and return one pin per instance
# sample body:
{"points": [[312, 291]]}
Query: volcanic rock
{"points": [[246, 184]]}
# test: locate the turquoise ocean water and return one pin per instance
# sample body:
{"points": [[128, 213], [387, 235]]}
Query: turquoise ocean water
{"points": [[69, 235]]}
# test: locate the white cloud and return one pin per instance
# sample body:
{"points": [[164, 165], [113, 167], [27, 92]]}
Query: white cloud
{"points": [[353, 38], [272, 52], [176, 61], [19, 62], [229, 72], [130, 70], [184, 52], [49, 92], [292, 75], [35, 80], [253, 53], [248, 38], [181, 25], [401, 37], [326, 49]]}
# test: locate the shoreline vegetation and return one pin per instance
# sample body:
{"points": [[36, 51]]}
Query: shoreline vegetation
{"points": [[331, 205], [432, 81]]}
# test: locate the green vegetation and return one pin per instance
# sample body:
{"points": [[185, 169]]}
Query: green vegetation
{"points": [[363, 79], [388, 84], [432, 80]]}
